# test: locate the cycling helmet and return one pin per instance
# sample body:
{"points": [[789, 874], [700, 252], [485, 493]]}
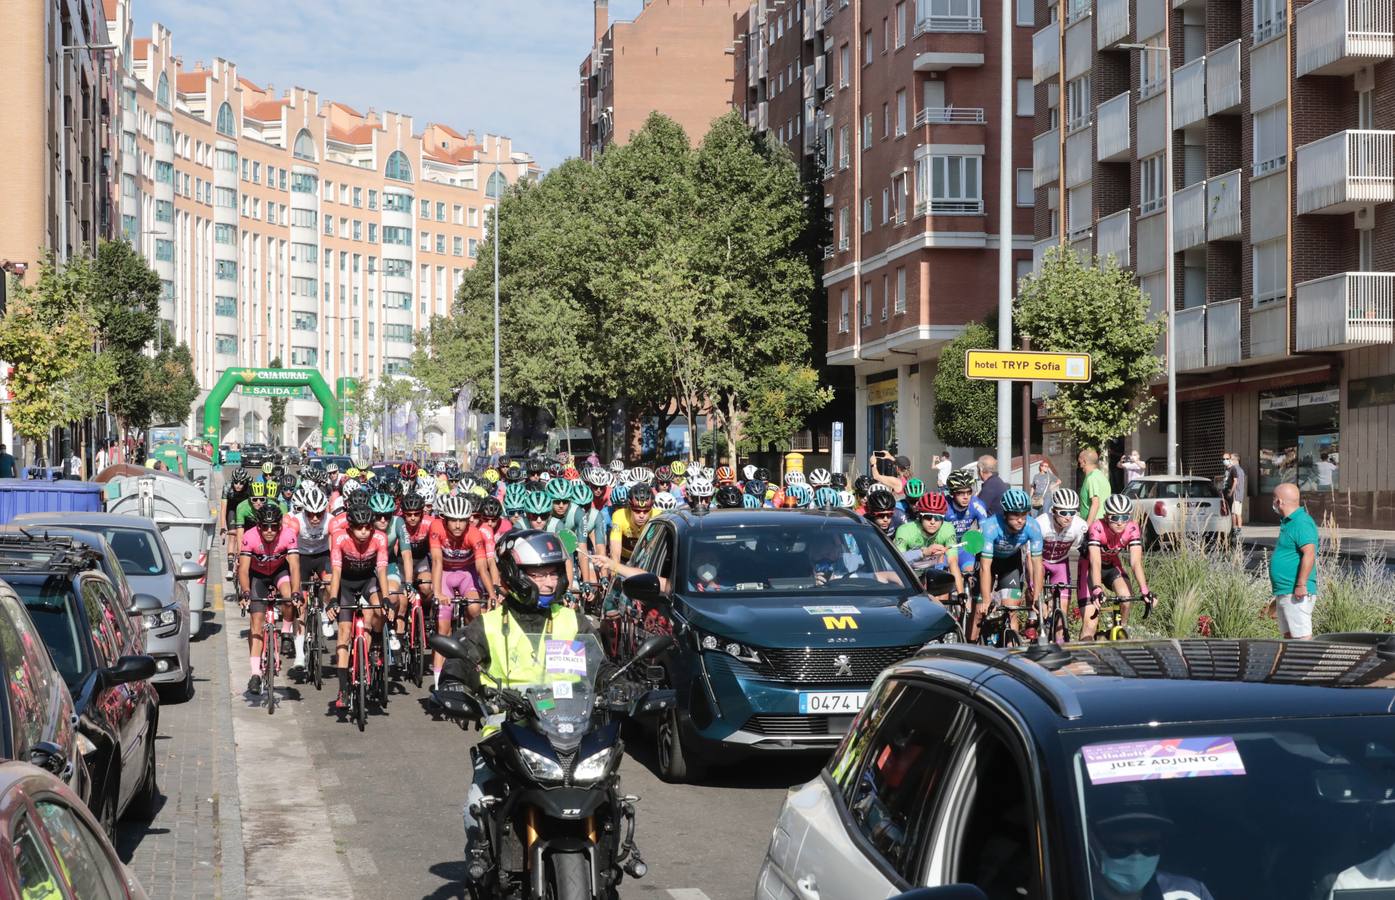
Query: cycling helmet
{"points": [[915, 488], [278, 471], [513, 496], [699, 488], [359, 515], [382, 503], [847, 499], [352, 472], [679, 468], [272, 489], [350, 487], [725, 475], [1118, 505], [751, 502], [617, 465], [287, 490], [756, 488], [519, 551], [332, 468], [794, 478], [877, 487], [641, 497], [619, 494], [749, 471], [570, 474], [641, 475], [1015, 500], [763, 474], [426, 480], [826, 497], [838, 481], [728, 496], [453, 506], [581, 493], [268, 468], [259, 490], [959, 480], [931, 504], [861, 484], [663, 475], [491, 475], [598, 477], [310, 498], [408, 470], [820, 478], [269, 515], [1065, 499], [513, 475], [489, 507], [240, 478], [558, 490], [800, 494], [664, 501], [413, 502], [535, 503], [880, 501]]}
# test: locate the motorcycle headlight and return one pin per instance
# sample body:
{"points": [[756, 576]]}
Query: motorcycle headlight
{"points": [[593, 767], [541, 767], [731, 648]]}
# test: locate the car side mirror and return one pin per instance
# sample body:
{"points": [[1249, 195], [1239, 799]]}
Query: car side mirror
{"points": [[129, 668], [189, 570], [50, 756], [144, 603], [643, 588], [944, 892]]}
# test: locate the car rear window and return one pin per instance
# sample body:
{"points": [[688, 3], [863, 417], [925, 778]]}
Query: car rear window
{"points": [[51, 606], [137, 550], [1172, 490]]}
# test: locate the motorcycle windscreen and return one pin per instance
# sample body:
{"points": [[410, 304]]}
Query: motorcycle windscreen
{"points": [[563, 694]]}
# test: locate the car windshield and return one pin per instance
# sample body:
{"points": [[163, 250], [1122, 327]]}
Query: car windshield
{"points": [[811, 556], [53, 609], [137, 550], [1301, 810]]}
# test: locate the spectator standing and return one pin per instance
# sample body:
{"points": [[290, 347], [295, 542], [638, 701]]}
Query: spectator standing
{"points": [[991, 488], [103, 454], [1044, 483], [1293, 567], [896, 483], [1233, 489], [1094, 487], [1134, 467], [943, 467], [7, 463]]}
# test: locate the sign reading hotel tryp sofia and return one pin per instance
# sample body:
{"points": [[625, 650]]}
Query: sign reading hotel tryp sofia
{"points": [[1025, 365]]}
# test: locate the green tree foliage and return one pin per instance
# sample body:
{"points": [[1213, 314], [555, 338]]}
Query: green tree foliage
{"points": [[778, 399], [276, 420], [1098, 310], [383, 395], [172, 384], [125, 298], [49, 336], [966, 409]]}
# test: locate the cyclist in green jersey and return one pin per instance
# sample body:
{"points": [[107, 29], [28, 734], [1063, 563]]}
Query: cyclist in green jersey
{"points": [[926, 540]]}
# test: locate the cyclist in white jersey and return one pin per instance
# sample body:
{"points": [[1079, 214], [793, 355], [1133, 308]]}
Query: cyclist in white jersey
{"points": [[1062, 530], [311, 522]]}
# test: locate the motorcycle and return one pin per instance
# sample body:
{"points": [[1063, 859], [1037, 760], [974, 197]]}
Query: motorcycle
{"points": [[552, 822]]}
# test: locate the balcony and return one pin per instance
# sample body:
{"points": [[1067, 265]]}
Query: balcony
{"points": [[1223, 207], [1079, 152], [1114, 134], [1345, 311], [1345, 171], [1046, 53], [1189, 93], [1223, 80], [1112, 23], [1112, 237], [950, 115], [1223, 334], [1190, 343], [1269, 331], [1039, 252], [1189, 217], [971, 19], [1046, 158], [1337, 37], [830, 9]]}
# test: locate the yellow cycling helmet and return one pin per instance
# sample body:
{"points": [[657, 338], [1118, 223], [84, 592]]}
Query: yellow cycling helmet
{"points": [[271, 488], [352, 472], [491, 476], [259, 489]]}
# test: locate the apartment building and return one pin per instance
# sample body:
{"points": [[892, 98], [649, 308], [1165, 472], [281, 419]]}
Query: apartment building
{"points": [[1280, 204], [282, 225], [897, 101], [673, 58]]}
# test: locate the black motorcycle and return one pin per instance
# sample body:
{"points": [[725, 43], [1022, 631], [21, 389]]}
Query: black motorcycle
{"points": [[553, 823]]}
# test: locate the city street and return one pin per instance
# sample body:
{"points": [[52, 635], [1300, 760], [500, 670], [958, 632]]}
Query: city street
{"points": [[299, 804]]}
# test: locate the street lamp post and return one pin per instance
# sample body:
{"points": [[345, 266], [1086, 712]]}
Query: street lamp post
{"points": [[1006, 201], [1169, 275]]}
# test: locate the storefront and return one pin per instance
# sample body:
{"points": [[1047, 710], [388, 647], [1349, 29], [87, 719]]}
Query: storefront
{"points": [[881, 412], [1300, 438]]}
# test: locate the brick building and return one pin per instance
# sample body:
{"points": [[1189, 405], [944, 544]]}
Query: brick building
{"points": [[1283, 177]]}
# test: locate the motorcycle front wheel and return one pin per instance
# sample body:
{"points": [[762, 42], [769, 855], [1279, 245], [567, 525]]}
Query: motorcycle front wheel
{"points": [[569, 877]]}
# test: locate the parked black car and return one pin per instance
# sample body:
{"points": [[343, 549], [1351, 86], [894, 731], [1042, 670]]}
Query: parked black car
{"points": [[90, 640], [26, 538], [253, 455]]}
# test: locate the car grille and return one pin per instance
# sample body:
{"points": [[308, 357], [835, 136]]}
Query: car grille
{"points": [[797, 726], [822, 665]]}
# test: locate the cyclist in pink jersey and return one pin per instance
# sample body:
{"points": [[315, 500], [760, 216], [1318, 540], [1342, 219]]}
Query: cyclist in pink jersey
{"points": [[269, 563], [1109, 540], [358, 560]]}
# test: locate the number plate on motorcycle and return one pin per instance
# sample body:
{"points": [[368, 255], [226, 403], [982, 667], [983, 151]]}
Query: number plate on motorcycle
{"points": [[831, 702]]}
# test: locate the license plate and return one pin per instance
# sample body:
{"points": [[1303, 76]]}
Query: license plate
{"points": [[831, 702]]}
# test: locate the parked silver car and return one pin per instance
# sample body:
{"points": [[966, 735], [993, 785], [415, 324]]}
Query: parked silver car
{"points": [[1168, 506], [150, 569]]}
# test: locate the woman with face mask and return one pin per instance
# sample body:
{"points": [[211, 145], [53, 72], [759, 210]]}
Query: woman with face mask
{"points": [[1128, 838]]}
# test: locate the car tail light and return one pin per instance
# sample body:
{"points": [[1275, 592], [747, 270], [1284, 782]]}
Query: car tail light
{"points": [[1159, 509]]}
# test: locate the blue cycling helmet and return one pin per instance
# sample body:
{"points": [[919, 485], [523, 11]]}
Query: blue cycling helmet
{"points": [[826, 497], [800, 494], [619, 494], [751, 502], [1015, 500]]}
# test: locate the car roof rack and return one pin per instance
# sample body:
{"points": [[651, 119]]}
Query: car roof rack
{"points": [[27, 551], [1030, 674]]}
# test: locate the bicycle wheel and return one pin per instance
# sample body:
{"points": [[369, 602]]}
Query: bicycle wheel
{"points": [[312, 634], [360, 698], [269, 661], [1118, 633], [1010, 638], [1060, 632], [382, 669], [417, 640]]}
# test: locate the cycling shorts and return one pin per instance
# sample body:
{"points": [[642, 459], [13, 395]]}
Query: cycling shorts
{"points": [[459, 583], [350, 589], [1007, 574], [1056, 572], [1109, 575], [263, 585], [422, 567], [310, 563]]}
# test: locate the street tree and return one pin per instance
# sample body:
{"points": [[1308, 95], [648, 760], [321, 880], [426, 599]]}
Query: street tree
{"points": [[779, 397], [276, 419], [125, 299], [173, 385], [965, 408], [1070, 307]]}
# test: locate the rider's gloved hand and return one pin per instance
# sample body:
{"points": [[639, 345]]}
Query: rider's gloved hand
{"points": [[297, 597]]}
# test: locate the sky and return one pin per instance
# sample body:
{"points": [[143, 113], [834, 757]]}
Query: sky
{"points": [[504, 66]]}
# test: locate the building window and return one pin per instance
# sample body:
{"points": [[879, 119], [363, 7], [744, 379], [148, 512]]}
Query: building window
{"points": [[305, 356], [1271, 139], [225, 307], [305, 321], [900, 112], [955, 185], [164, 211], [305, 218], [844, 229], [1080, 211], [372, 199], [372, 232], [358, 229], [226, 124], [400, 203], [329, 225], [399, 333], [164, 250], [1270, 270], [440, 211], [1024, 187], [303, 183], [397, 268], [306, 253], [900, 289], [1152, 69], [901, 24], [1269, 19], [225, 160], [844, 66], [867, 47], [843, 325], [472, 248], [473, 217], [844, 148], [1026, 100], [162, 91], [1152, 184], [867, 132], [225, 344], [426, 209], [305, 287], [886, 205], [866, 300], [899, 195], [225, 269], [866, 214], [398, 168], [1300, 438], [281, 179], [305, 146], [397, 300], [1025, 13], [164, 172], [1078, 98], [458, 246]]}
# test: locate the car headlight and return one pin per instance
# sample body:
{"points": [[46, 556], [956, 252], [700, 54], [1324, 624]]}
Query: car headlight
{"points": [[84, 744], [593, 767], [731, 648], [542, 768], [163, 619]]}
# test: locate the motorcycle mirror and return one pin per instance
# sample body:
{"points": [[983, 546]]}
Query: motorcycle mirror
{"points": [[938, 582], [653, 646], [643, 588], [448, 647]]}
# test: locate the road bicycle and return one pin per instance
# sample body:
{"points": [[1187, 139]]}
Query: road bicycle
{"points": [[314, 623], [271, 657], [367, 665], [414, 650], [1112, 628], [1054, 600]]}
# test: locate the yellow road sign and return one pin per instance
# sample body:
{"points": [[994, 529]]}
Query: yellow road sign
{"points": [[1025, 365]]}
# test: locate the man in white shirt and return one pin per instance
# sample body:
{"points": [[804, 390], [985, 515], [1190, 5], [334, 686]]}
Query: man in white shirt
{"points": [[943, 467]]}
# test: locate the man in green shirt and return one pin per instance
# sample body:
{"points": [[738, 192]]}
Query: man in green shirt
{"points": [[1293, 567], [1094, 489]]}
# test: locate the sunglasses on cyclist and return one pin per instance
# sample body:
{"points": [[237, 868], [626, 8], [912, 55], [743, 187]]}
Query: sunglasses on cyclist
{"points": [[536, 516], [314, 517], [931, 517], [1064, 513], [1120, 519], [882, 515], [381, 517]]}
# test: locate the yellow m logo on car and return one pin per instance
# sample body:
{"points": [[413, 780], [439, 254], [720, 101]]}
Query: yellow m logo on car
{"points": [[839, 623]]}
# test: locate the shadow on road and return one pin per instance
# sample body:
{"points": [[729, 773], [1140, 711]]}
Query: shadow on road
{"points": [[454, 874], [208, 630]]}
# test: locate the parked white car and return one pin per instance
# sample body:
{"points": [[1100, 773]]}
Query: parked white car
{"points": [[1170, 505]]}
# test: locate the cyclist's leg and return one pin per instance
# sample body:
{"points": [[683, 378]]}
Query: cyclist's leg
{"points": [[349, 591], [261, 586], [1008, 575], [980, 608], [462, 584], [1118, 582]]}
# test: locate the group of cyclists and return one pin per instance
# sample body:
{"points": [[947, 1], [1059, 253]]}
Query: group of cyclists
{"points": [[391, 532]]}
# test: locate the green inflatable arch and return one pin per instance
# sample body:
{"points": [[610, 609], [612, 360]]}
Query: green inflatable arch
{"points": [[272, 383]]}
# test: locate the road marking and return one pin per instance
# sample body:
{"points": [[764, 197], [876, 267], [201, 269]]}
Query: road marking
{"points": [[687, 894], [360, 863]]}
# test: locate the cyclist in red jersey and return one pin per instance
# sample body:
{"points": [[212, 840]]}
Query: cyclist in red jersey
{"points": [[358, 561], [269, 562]]}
